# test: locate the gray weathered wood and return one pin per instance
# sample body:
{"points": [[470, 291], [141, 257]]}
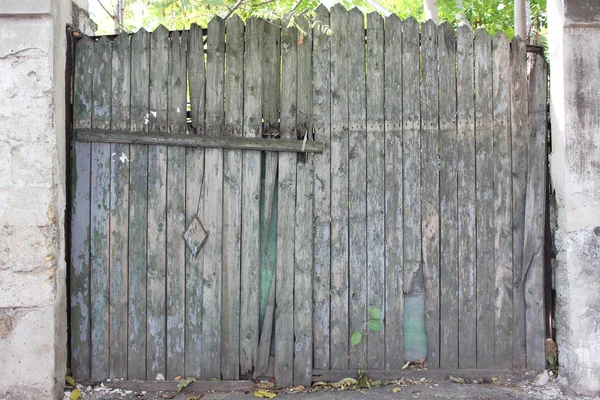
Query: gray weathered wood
{"points": [[339, 189], [535, 206], [503, 257], [467, 312], [448, 345], [375, 184], [119, 207], [484, 183], [194, 205], [264, 345], [157, 207], [322, 191], [232, 196], [100, 203], [80, 215], [430, 189], [213, 196], [176, 209], [519, 140], [394, 207], [250, 265]]}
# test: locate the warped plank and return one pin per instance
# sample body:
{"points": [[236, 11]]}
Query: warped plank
{"points": [[157, 207], [394, 207], [519, 141], [119, 207], [175, 249], [484, 183], [100, 203], [264, 345], [467, 313], [232, 191], [251, 160], [194, 205], [213, 198], [322, 191], [430, 189], [80, 215], [339, 189], [448, 198], [375, 184]]}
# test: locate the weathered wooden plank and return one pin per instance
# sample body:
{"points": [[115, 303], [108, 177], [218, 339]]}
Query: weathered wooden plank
{"points": [[192, 387], [304, 245], [119, 207], [232, 196], [264, 345], [177, 97], [448, 198], [100, 203], [80, 215], [503, 257], [375, 184], [138, 203], [157, 207], [533, 251], [417, 374], [430, 189], [194, 205], [213, 197], [339, 188], [322, 191], [519, 141], [394, 207], [484, 183], [467, 313], [250, 251]]}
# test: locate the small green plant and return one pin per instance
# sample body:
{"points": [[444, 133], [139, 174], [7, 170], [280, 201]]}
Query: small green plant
{"points": [[374, 324]]}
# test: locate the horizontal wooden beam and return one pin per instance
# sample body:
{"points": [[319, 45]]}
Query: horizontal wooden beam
{"points": [[379, 374], [178, 139], [171, 386]]}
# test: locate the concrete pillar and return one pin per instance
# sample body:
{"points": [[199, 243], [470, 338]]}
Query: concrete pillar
{"points": [[574, 38]]}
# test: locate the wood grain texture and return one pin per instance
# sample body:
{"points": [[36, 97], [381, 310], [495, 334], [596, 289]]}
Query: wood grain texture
{"points": [[467, 289], [80, 215], [484, 181], [394, 193], [264, 345], [449, 315], [322, 191]]}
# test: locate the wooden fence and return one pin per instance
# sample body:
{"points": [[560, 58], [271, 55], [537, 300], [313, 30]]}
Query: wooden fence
{"points": [[309, 178]]}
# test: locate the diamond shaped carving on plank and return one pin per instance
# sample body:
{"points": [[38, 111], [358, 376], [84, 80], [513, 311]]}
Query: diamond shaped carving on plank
{"points": [[195, 236]]}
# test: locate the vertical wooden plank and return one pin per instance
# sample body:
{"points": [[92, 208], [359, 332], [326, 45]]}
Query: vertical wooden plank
{"points": [[394, 193], [484, 182], [80, 217], [251, 160], [100, 204], [157, 207], [213, 197], [194, 204], [430, 190], [533, 251], [375, 184], [467, 313], [322, 190], [519, 125], [119, 207], [448, 198], [177, 115], [232, 192], [339, 188], [503, 257]]}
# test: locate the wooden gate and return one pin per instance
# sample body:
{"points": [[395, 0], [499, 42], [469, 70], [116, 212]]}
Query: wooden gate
{"points": [[248, 184]]}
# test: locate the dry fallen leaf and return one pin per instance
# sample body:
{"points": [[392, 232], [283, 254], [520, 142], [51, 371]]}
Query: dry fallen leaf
{"points": [[177, 378], [265, 385], [406, 365], [70, 380], [75, 395], [183, 383], [168, 396], [264, 394], [299, 388], [396, 390], [457, 380]]}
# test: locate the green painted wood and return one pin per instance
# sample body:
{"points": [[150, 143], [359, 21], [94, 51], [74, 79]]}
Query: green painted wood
{"points": [[449, 315], [119, 207], [339, 333], [264, 344], [157, 208], [484, 180], [268, 256], [194, 204], [467, 311], [321, 93], [80, 215], [394, 206]]}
